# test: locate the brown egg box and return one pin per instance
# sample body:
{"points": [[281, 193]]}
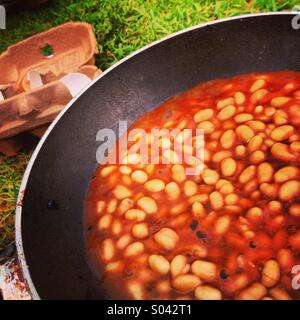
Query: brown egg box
{"points": [[35, 78], [58, 51], [36, 107]]}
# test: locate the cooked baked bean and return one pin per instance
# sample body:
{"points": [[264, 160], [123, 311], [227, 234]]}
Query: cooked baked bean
{"points": [[282, 152], [105, 222], [207, 126], [116, 266], [286, 173], [269, 190], [259, 109], [247, 174], [274, 207], [172, 190], [279, 101], [264, 172], [239, 98], [108, 170], [227, 139], [257, 157], [254, 144], [210, 177], [258, 84], [221, 155], [244, 132], [124, 241], [135, 214], [205, 270], [159, 231], [289, 190], [185, 282], [231, 199], [121, 192], [225, 102], [228, 167], [163, 287], [295, 146], [147, 204], [178, 265], [294, 210], [167, 238], [190, 188], [140, 230], [100, 206], [282, 133], [207, 293], [112, 205], [256, 125], [216, 200], [238, 281], [286, 259], [198, 209], [270, 111], [280, 114], [107, 250], [159, 264], [149, 168], [222, 224], [134, 249], [258, 96], [136, 290], [226, 113], [132, 158], [154, 185], [279, 294], [255, 214], [202, 198], [116, 227], [125, 170], [224, 186], [203, 115], [125, 205], [139, 176], [178, 173], [270, 273], [243, 117], [179, 208], [255, 292], [240, 151]]}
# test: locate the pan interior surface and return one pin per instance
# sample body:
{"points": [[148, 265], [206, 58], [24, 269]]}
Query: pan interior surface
{"points": [[52, 212]]}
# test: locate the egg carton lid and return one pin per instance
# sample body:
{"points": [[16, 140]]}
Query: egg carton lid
{"points": [[58, 50], [40, 75]]}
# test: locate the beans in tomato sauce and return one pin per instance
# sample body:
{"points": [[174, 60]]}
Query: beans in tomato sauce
{"points": [[230, 232]]}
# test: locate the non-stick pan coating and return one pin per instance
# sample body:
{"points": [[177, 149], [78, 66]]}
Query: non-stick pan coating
{"points": [[53, 238]]}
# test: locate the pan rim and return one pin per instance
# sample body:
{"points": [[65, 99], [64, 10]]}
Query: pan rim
{"points": [[18, 216]]}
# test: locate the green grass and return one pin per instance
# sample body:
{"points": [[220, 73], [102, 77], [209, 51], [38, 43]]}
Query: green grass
{"points": [[121, 27], [11, 172]]}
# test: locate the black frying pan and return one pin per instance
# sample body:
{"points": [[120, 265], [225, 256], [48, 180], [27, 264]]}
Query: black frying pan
{"points": [[51, 234]]}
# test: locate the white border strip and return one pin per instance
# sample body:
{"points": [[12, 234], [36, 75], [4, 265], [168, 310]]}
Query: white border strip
{"points": [[19, 244]]}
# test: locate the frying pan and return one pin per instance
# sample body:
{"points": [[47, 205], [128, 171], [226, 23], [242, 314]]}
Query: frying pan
{"points": [[49, 229]]}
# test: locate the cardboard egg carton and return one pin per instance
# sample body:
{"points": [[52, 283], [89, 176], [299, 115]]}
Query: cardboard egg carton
{"points": [[40, 75]]}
